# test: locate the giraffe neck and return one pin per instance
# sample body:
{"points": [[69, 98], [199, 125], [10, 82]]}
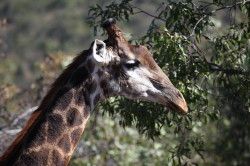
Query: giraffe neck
{"points": [[52, 133]]}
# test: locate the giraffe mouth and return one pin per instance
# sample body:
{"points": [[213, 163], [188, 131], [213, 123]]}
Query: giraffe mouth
{"points": [[178, 102], [167, 94], [172, 99], [180, 105]]}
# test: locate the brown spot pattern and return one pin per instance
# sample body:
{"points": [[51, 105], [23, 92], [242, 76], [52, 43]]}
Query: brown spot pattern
{"points": [[64, 99], [34, 158], [55, 127], [38, 137], [74, 117], [85, 114], [75, 136], [57, 158], [79, 98], [64, 143]]}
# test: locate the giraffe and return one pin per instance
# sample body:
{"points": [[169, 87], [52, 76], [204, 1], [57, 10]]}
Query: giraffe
{"points": [[108, 68]]}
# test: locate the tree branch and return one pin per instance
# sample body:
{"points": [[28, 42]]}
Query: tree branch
{"points": [[214, 11], [10, 131], [217, 68], [23, 117]]}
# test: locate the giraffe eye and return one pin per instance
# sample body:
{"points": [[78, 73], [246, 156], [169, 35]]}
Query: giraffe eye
{"points": [[130, 64]]}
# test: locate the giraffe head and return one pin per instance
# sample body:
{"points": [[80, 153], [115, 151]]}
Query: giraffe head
{"points": [[130, 71]]}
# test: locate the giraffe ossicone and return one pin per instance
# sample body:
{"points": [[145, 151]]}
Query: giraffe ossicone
{"points": [[108, 68]]}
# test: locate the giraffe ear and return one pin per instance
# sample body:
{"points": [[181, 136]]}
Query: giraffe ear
{"points": [[100, 54]]}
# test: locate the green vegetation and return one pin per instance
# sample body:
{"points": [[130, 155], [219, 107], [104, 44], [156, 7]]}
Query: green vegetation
{"points": [[204, 46]]}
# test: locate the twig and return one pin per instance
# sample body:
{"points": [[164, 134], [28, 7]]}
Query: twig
{"points": [[197, 23], [147, 13], [210, 3]]}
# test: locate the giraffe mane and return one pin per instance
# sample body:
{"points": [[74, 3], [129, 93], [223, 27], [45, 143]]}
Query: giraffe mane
{"points": [[47, 103]]}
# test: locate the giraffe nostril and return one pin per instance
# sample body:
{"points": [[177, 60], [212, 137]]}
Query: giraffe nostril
{"points": [[157, 84]]}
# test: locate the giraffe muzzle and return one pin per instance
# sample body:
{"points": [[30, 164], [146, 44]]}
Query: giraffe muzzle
{"points": [[169, 96], [177, 102]]}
